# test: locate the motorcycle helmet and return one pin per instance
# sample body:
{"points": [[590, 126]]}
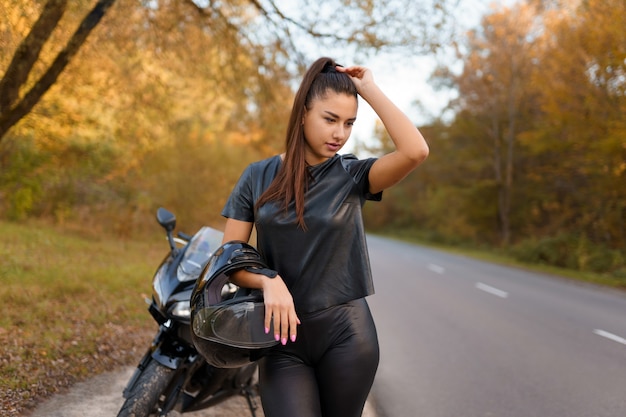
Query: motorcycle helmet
{"points": [[227, 322]]}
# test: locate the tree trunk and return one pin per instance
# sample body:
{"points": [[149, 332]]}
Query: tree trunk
{"points": [[28, 52], [508, 180], [499, 173], [24, 59]]}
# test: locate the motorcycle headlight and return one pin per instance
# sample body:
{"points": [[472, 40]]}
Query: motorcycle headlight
{"points": [[181, 310]]}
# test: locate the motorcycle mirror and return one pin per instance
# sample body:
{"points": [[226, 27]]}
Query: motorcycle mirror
{"points": [[166, 219]]}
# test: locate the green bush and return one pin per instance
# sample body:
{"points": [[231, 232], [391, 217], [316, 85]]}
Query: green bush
{"points": [[569, 251], [553, 250], [20, 204]]}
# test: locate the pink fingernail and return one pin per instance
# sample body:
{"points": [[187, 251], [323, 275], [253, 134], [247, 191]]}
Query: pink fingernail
{"points": [[284, 341], [267, 330], [293, 337], [277, 337]]}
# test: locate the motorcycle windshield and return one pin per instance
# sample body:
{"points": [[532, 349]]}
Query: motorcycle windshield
{"points": [[200, 248]]}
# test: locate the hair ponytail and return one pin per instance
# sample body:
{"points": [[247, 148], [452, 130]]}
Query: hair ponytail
{"points": [[292, 179]]}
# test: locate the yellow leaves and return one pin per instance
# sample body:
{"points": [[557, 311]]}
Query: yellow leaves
{"points": [[17, 19], [244, 138], [542, 97]]}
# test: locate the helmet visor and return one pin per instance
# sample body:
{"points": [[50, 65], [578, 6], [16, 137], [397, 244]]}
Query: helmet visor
{"points": [[239, 324]]}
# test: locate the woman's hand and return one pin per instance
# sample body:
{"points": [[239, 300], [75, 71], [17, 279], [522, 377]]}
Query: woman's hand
{"points": [[279, 310], [279, 306], [361, 76], [411, 148]]}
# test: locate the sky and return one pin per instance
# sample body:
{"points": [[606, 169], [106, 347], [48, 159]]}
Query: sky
{"points": [[404, 85], [404, 81], [408, 82]]}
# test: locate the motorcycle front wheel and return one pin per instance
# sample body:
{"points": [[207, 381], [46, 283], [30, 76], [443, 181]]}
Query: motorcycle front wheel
{"points": [[143, 400]]}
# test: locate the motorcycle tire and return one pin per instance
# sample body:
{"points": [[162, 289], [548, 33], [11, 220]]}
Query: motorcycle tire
{"points": [[143, 399]]}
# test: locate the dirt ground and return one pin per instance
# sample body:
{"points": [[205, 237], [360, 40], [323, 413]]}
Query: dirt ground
{"points": [[101, 396]]}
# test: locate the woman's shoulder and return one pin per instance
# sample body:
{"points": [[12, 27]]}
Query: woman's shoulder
{"points": [[272, 161], [352, 158], [351, 162]]}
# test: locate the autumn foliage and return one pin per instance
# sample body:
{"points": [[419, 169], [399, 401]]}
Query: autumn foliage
{"points": [[160, 107], [533, 158], [163, 106]]}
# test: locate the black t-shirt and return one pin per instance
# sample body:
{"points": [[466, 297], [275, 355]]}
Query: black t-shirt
{"points": [[328, 264]]}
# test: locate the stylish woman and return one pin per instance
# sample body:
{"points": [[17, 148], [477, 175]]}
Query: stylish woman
{"points": [[306, 206]]}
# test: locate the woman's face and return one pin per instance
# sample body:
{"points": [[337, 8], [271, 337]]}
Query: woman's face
{"points": [[327, 125]]}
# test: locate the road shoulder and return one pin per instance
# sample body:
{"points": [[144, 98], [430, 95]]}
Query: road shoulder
{"points": [[101, 396]]}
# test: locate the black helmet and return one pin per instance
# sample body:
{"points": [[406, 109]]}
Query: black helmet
{"points": [[227, 323]]}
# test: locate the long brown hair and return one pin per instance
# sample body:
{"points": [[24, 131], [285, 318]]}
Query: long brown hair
{"points": [[292, 179]]}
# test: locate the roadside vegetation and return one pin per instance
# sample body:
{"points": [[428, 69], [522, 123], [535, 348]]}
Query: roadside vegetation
{"points": [[512, 258], [72, 306], [525, 165]]}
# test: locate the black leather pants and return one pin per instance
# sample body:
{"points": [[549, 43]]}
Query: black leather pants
{"points": [[328, 371]]}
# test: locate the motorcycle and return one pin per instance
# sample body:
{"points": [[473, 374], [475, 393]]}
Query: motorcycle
{"points": [[172, 378]]}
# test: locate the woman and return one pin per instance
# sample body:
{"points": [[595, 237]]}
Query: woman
{"points": [[306, 206]]}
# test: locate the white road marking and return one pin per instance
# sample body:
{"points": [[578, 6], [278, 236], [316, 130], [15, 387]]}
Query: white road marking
{"points": [[491, 290], [610, 336], [436, 268]]}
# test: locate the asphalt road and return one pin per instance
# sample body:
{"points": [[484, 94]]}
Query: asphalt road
{"points": [[466, 338]]}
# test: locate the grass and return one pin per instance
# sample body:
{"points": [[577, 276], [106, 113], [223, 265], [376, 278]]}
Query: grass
{"points": [[498, 257], [72, 306]]}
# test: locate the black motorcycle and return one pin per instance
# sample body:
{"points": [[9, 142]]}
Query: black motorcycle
{"points": [[172, 378]]}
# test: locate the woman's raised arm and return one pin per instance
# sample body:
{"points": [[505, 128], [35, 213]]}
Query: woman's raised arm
{"points": [[411, 147]]}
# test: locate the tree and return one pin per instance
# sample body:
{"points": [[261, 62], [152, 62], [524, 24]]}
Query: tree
{"points": [[253, 22], [577, 143], [163, 92], [550, 87], [12, 106], [492, 89]]}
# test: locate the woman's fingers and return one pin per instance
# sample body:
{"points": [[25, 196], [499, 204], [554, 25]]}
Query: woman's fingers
{"points": [[280, 311], [293, 324], [288, 325], [360, 76], [284, 327], [354, 71], [269, 317], [285, 323]]}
